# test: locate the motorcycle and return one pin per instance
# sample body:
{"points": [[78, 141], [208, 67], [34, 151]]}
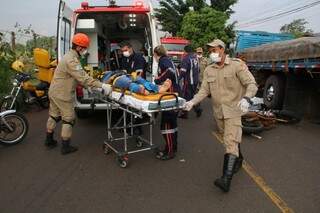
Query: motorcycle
{"points": [[13, 127], [24, 92]]}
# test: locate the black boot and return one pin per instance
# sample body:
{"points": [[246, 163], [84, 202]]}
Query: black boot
{"points": [[228, 169], [50, 142], [239, 161], [67, 148]]}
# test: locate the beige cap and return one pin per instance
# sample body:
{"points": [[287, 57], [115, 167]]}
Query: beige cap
{"points": [[199, 50], [217, 42]]}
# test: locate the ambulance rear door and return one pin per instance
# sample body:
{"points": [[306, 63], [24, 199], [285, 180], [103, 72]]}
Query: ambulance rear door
{"points": [[65, 29]]}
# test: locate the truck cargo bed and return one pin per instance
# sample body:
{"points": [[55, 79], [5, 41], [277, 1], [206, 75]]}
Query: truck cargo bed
{"points": [[301, 48]]}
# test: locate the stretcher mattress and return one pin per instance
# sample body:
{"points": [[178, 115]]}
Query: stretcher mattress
{"points": [[146, 105]]}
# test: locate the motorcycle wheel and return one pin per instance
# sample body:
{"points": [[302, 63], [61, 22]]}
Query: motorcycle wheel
{"points": [[252, 127], [19, 125]]}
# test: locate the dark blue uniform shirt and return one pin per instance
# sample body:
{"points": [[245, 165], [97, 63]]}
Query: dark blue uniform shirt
{"points": [[190, 69], [167, 70], [134, 62]]}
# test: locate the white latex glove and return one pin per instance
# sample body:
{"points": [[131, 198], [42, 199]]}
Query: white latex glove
{"points": [[188, 105], [244, 105], [106, 89]]}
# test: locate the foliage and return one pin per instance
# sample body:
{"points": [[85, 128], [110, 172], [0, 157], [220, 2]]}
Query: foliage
{"points": [[7, 56], [38, 41], [297, 27], [205, 25], [171, 12], [43, 42], [223, 5], [21, 52]]}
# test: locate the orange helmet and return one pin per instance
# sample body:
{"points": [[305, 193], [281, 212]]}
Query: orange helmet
{"points": [[81, 40]]}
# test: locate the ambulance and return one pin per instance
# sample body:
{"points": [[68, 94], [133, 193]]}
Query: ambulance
{"points": [[175, 47], [107, 26]]}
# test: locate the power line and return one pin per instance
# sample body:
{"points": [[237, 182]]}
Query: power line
{"points": [[279, 15], [271, 10], [275, 9]]}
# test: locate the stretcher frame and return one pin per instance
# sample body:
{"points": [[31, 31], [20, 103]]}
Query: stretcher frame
{"points": [[142, 144]]}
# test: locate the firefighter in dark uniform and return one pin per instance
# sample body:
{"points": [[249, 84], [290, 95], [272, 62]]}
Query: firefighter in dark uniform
{"points": [[169, 125], [133, 62], [190, 71]]}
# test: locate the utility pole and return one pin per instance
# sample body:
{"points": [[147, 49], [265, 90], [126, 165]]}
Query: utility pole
{"points": [[13, 41], [34, 39]]}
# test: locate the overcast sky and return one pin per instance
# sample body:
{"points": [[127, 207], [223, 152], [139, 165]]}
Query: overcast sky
{"points": [[42, 14]]}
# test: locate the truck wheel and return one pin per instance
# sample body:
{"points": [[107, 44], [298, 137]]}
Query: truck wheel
{"points": [[273, 93]]}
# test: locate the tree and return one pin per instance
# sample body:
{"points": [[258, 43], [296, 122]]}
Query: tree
{"points": [[45, 42], [171, 12], [223, 5], [205, 25], [197, 4], [297, 27]]}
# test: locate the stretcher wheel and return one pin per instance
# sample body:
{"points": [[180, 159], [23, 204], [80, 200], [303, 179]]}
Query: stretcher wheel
{"points": [[123, 161], [106, 149]]}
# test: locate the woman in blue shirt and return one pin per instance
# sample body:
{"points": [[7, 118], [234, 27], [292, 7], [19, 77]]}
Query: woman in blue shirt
{"points": [[169, 125]]}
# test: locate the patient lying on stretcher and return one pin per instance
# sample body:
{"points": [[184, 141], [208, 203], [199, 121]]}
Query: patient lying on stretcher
{"points": [[134, 83]]}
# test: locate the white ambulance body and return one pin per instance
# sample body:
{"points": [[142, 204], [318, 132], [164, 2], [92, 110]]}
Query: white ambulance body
{"points": [[107, 26]]}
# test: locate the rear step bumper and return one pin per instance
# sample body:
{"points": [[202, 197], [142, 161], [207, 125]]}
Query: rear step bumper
{"points": [[97, 106]]}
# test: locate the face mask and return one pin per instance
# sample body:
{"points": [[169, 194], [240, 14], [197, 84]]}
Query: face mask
{"points": [[83, 52], [215, 58], [126, 53], [199, 56]]}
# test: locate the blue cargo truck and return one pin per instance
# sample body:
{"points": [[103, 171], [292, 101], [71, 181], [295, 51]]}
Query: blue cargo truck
{"points": [[287, 70]]}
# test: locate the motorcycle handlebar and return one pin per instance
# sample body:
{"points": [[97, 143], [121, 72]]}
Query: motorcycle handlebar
{"points": [[22, 77]]}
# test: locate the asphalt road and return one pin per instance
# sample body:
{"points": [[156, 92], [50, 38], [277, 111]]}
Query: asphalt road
{"points": [[282, 172]]}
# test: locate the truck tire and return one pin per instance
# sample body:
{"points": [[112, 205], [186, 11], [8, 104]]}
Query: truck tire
{"points": [[273, 93]]}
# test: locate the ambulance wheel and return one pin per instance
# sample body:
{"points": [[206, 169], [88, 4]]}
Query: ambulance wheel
{"points": [[123, 161], [106, 149]]}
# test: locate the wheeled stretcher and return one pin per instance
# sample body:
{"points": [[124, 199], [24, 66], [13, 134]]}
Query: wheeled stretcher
{"points": [[134, 106]]}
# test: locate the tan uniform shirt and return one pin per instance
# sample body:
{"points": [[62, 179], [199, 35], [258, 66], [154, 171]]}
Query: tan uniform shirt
{"points": [[227, 85], [203, 64], [66, 76]]}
